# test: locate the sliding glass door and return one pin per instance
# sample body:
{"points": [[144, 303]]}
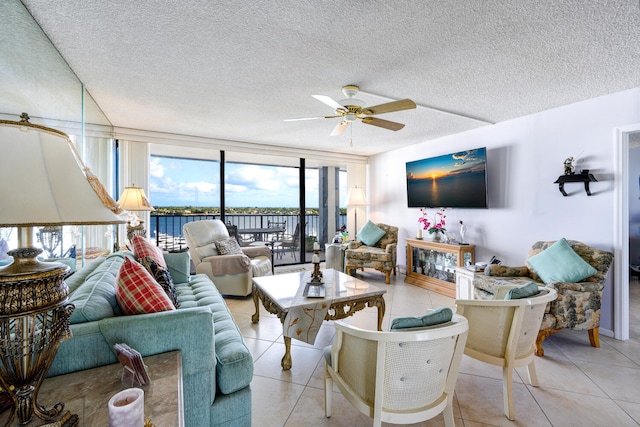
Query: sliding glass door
{"points": [[259, 198]]}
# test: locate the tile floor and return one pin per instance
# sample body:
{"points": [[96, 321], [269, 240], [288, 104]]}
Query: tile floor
{"points": [[579, 385]]}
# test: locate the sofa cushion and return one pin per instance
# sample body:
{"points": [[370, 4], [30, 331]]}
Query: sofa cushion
{"points": [[370, 233], [95, 297], [79, 277], [137, 292], [432, 318], [161, 276], [560, 263], [143, 248]]}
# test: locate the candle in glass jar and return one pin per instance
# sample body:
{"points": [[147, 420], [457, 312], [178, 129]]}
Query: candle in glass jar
{"points": [[315, 259], [126, 408], [316, 246], [419, 233]]}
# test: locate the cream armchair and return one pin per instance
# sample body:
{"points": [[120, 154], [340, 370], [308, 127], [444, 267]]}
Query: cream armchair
{"points": [[381, 255], [400, 377], [231, 274], [503, 333]]}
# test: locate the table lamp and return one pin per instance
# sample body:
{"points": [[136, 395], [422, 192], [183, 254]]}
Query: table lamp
{"points": [[44, 186], [356, 198], [133, 199]]}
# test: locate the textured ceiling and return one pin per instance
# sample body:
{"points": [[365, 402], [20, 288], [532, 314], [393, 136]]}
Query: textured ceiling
{"points": [[235, 70]]}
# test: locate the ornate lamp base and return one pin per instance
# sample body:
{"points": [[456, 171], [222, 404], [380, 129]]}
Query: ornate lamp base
{"points": [[34, 319], [136, 229]]}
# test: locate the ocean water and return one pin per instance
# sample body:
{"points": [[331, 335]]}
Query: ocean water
{"points": [[466, 191]]}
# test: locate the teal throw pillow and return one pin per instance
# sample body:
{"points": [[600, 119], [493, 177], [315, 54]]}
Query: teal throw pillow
{"points": [[525, 291], [435, 317], [560, 263], [370, 233]]}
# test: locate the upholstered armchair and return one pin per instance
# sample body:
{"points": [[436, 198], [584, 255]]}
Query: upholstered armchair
{"points": [[376, 248], [578, 304], [219, 256]]}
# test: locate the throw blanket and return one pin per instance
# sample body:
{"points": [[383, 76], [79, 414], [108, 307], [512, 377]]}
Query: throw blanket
{"points": [[305, 317]]}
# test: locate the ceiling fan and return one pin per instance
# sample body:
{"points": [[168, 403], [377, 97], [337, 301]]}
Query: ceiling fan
{"points": [[352, 109]]}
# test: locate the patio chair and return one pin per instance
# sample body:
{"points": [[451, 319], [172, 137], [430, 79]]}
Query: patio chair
{"points": [[290, 243], [503, 333], [277, 236], [401, 377], [231, 273]]}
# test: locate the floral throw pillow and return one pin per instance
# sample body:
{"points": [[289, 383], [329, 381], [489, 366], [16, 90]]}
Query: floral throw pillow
{"points": [[228, 246], [144, 248], [162, 276], [137, 292]]}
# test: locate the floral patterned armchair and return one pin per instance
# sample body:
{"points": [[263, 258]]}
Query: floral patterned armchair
{"points": [[381, 256], [578, 304]]}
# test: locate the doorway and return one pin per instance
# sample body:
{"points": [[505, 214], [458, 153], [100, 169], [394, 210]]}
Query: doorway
{"points": [[623, 135]]}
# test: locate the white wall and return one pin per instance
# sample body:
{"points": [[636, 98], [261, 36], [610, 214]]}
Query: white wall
{"points": [[525, 156]]}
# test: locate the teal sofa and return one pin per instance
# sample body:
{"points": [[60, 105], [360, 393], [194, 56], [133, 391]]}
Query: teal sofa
{"points": [[217, 367]]}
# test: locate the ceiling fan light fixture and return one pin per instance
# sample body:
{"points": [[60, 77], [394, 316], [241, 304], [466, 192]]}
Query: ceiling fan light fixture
{"points": [[350, 90], [352, 109]]}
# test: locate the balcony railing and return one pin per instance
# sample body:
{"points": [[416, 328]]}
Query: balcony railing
{"points": [[166, 229]]}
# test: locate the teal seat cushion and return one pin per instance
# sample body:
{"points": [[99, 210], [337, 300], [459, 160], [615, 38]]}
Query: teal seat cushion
{"points": [[234, 363], [432, 318], [525, 291], [95, 298], [560, 263], [370, 233]]}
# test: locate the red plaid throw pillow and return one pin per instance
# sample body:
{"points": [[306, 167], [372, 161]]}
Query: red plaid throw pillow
{"points": [[143, 248], [137, 292]]}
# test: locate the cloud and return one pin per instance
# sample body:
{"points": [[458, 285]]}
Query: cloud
{"points": [[156, 170], [182, 182]]}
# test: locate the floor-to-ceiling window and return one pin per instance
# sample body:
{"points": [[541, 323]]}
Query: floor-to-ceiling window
{"points": [[181, 189], [258, 197]]}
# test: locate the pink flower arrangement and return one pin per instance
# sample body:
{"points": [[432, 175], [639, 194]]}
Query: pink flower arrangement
{"points": [[437, 226]]}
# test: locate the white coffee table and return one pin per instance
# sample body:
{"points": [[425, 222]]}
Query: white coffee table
{"points": [[345, 294]]}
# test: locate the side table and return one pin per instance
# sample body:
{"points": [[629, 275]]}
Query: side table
{"points": [[464, 283], [334, 255], [86, 393]]}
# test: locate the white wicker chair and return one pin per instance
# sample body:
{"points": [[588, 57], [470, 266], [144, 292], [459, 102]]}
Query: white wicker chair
{"points": [[503, 333], [400, 377]]}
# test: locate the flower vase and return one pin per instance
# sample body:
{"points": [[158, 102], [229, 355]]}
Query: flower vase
{"points": [[436, 236]]}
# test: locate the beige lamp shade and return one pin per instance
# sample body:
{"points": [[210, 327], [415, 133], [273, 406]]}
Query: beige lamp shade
{"points": [[43, 180], [356, 197], [134, 199]]}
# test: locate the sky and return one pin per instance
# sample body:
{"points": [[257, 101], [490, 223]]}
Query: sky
{"points": [[188, 182], [449, 164]]}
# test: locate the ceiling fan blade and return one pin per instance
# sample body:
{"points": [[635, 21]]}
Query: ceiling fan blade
{"points": [[340, 128], [403, 104], [311, 118], [382, 123], [330, 102]]}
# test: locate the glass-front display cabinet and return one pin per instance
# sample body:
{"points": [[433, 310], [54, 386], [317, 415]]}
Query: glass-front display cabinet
{"points": [[432, 265]]}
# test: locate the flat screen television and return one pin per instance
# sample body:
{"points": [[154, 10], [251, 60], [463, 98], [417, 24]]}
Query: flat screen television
{"points": [[456, 180]]}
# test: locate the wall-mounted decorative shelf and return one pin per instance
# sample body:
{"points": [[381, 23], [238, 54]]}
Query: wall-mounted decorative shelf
{"points": [[584, 176]]}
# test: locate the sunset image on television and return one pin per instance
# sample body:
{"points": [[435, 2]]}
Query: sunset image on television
{"points": [[456, 180]]}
